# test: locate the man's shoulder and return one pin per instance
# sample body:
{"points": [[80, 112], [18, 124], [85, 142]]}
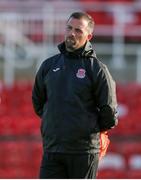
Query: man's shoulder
{"points": [[47, 63], [102, 69], [97, 63]]}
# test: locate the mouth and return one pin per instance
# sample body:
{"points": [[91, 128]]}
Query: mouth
{"points": [[71, 41]]}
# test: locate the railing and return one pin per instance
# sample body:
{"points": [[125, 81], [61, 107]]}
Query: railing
{"points": [[29, 36]]}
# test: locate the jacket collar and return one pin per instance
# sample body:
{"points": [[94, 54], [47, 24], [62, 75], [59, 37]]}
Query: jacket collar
{"points": [[85, 51]]}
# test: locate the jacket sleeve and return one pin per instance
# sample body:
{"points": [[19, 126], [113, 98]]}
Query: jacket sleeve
{"points": [[39, 96], [105, 95]]}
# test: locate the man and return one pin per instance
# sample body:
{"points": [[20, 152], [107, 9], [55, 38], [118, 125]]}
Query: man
{"points": [[75, 96]]}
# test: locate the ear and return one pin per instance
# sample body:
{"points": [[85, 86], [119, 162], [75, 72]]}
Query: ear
{"points": [[90, 36]]}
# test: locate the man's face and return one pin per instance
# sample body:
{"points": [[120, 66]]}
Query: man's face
{"points": [[76, 34]]}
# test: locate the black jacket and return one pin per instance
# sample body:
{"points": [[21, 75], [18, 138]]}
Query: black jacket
{"points": [[75, 96]]}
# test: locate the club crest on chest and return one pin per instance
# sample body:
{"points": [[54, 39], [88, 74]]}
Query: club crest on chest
{"points": [[81, 73]]}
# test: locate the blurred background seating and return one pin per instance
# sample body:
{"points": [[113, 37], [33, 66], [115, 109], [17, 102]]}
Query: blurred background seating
{"points": [[29, 33]]}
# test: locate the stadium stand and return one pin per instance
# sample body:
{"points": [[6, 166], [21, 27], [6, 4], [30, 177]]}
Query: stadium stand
{"points": [[98, 16], [20, 138], [21, 150]]}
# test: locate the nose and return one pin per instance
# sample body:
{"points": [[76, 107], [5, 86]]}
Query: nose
{"points": [[71, 32]]}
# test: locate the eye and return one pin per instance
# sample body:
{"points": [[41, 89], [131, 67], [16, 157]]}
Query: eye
{"points": [[78, 31], [68, 28]]}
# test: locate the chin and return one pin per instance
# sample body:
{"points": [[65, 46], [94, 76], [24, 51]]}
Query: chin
{"points": [[70, 48]]}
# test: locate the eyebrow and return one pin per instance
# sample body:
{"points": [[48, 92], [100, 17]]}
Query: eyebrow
{"points": [[75, 28]]}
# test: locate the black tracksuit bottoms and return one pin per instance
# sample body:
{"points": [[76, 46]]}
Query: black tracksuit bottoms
{"points": [[69, 166]]}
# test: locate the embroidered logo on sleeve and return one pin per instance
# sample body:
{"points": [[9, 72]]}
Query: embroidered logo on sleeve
{"points": [[56, 69], [80, 73]]}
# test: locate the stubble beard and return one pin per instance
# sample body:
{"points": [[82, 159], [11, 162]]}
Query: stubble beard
{"points": [[70, 44]]}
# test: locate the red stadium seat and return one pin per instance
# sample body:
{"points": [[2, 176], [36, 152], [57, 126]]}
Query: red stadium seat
{"points": [[138, 18], [112, 174], [134, 174], [102, 18], [20, 157], [120, 1], [18, 173]]}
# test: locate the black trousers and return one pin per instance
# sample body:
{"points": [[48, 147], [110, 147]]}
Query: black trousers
{"points": [[69, 166]]}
